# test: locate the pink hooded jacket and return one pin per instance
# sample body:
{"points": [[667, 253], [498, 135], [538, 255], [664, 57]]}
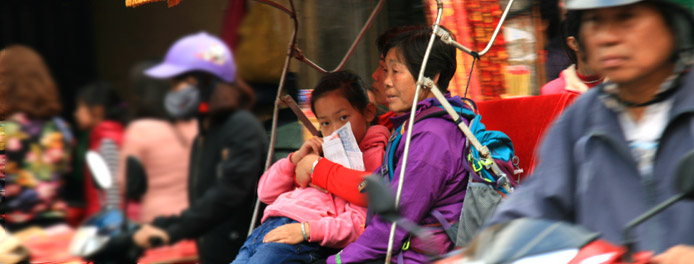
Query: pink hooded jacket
{"points": [[333, 221]]}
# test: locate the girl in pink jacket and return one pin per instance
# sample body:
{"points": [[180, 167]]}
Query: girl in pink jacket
{"points": [[298, 222]]}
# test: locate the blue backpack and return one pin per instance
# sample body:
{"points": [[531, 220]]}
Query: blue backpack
{"points": [[485, 189]]}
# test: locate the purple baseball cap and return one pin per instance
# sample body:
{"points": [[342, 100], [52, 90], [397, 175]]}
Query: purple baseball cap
{"points": [[197, 52]]}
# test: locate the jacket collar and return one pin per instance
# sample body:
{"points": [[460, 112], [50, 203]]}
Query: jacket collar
{"points": [[426, 104]]}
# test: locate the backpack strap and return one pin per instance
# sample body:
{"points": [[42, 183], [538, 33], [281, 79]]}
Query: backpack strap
{"points": [[395, 138]]}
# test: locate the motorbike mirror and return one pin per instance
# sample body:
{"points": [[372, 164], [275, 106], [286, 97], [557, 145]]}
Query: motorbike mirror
{"points": [[684, 176], [99, 169], [380, 198]]}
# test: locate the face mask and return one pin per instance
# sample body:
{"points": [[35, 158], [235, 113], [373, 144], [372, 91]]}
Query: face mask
{"points": [[182, 103]]}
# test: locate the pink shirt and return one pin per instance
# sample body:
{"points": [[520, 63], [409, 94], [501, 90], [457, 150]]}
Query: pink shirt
{"points": [[333, 221], [164, 150]]}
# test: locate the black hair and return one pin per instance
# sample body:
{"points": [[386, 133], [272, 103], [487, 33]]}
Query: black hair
{"points": [[348, 83], [569, 28], [550, 12], [413, 44], [148, 93], [103, 94], [391, 33]]}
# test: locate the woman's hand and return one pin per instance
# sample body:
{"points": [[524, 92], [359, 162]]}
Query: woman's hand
{"points": [[675, 255], [303, 170], [142, 236], [288, 234], [313, 145]]}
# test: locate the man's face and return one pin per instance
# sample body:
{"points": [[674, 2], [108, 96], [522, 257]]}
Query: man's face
{"points": [[379, 89], [627, 43]]}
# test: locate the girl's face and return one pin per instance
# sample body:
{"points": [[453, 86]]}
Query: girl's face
{"points": [[86, 116], [333, 110], [627, 44], [399, 83]]}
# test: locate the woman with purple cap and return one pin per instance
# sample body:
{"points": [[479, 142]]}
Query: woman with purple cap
{"points": [[228, 153]]}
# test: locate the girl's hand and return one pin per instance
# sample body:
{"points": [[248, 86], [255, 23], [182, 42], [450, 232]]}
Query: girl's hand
{"points": [[313, 145], [288, 234], [303, 170]]}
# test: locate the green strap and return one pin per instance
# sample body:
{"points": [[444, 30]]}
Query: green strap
{"points": [[337, 258]]}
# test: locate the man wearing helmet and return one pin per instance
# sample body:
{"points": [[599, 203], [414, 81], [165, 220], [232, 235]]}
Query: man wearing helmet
{"points": [[612, 155], [228, 153]]}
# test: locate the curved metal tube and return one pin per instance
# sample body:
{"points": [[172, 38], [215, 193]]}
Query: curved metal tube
{"points": [[275, 112], [410, 124], [351, 49], [498, 28], [446, 37]]}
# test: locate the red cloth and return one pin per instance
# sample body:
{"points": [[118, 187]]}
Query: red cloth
{"points": [[384, 120], [233, 16], [348, 177], [104, 130], [524, 120]]}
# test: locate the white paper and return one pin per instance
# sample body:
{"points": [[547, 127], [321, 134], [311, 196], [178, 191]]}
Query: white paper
{"points": [[341, 147]]}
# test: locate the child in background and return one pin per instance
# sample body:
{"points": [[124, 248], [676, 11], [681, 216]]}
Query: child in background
{"points": [[99, 111], [308, 218]]}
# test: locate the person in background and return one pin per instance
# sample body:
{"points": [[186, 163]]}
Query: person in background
{"points": [[578, 77], [551, 14], [101, 112], [613, 153], [36, 141], [228, 153], [161, 142]]}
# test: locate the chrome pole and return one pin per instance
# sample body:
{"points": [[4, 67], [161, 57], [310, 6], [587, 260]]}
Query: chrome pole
{"points": [[275, 112], [410, 124]]}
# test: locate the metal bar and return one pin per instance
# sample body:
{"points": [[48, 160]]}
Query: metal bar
{"points": [[410, 124], [351, 49], [446, 37], [275, 112], [360, 36], [276, 5], [498, 28], [289, 101], [483, 150]]}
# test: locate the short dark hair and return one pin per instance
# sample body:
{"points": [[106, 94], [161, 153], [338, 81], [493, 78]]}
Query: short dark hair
{"points": [[442, 60], [348, 83], [569, 28], [102, 94], [391, 33]]}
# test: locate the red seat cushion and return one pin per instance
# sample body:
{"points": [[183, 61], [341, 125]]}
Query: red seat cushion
{"points": [[524, 120]]}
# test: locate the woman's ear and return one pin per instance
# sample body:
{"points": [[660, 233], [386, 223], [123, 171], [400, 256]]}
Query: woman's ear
{"points": [[572, 43], [370, 112]]}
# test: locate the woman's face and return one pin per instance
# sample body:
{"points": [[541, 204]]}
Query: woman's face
{"points": [[85, 116], [399, 83], [627, 44]]}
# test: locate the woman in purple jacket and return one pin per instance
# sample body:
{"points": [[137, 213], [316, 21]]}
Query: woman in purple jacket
{"points": [[435, 178]]}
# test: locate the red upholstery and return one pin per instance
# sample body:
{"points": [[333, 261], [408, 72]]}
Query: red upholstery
{"points": [[524, 120]]}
